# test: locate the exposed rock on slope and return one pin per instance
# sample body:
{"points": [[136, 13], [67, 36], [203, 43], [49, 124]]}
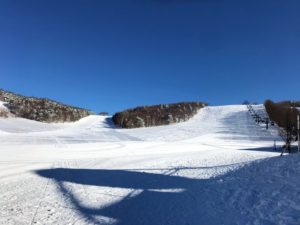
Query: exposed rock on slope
{"points": [[156, 115], [41, 109]]}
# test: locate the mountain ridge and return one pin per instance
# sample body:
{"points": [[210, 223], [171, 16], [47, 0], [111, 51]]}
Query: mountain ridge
{"points": [[41, 109]]}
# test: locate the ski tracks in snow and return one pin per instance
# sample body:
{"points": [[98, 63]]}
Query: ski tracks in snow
{"points": [[197, 172]]}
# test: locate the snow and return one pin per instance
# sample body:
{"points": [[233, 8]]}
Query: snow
{"points": [[217, 168], [2, 105]]}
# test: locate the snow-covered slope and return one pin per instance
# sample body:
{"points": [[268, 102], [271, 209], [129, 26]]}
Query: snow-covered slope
{"points": [[227, 123], [217, 168], [218, 123]]}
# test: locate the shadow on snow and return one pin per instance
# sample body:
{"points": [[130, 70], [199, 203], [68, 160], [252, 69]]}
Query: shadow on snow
{"points": [[226, 199]]}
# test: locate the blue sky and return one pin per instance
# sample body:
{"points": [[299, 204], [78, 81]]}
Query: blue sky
{"points": [[109, 55]]}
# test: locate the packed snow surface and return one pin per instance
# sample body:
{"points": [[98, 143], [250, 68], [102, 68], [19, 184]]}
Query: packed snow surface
{"points": [[220, 167]]}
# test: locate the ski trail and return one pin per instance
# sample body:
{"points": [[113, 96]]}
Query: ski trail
{"points": [[40, 202], [195, 172]]}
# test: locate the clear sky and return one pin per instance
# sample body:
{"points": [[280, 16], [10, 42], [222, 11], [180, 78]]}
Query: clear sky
{"points": [[109, 55]]}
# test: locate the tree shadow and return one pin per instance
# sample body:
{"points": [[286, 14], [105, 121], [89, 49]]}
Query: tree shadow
{"points": [[109, 123], [248, 130], [219, 200], [278, 149], [264, 149]]}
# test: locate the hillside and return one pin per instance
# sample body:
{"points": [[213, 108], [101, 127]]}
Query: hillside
{"points": [[157, 115], [216, 123], [219, 167], [41, 109]]}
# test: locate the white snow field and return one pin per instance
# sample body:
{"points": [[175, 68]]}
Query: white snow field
{"points": [[220, 167]]}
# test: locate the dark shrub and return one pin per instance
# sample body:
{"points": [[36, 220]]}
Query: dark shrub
{"points": [[285, 115], [156, 115]]}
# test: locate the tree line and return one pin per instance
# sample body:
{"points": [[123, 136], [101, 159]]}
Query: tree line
{"points": [[285, 115]]}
